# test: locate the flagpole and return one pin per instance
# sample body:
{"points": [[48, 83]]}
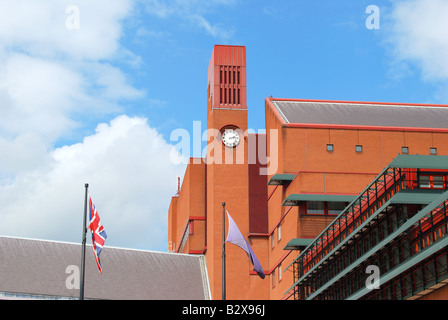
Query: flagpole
{"points": [[83, 254], [223, 251]]}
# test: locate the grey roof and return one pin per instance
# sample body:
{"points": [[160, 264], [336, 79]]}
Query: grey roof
{"points": [[37, 268], [362, 114]]}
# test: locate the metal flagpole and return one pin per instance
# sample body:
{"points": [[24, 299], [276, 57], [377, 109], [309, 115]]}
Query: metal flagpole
{"points": [[223, 251], [83, 254]]}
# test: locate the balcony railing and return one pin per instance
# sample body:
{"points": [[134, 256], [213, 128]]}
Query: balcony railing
{"points": [[361, 213]]}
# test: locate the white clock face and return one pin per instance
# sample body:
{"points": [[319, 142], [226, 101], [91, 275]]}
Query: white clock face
{"points": [[230, 138]]}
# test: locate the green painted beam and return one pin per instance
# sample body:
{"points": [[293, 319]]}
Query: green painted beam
{"points": [[298, 244], [410, 161], [408, 224], [294, 199], [280, 179]]}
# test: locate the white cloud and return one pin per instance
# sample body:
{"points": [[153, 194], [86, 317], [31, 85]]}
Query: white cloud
{"points": [[36, 96], [194, 11], [39, 27], [128, 167], [113, 82], [215, 30], [53, 82], [26, 152], [50, 75], [419, 35]]}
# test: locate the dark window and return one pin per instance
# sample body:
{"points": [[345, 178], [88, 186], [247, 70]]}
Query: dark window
{"points": [[335, 207], [315, 207], [425, 181], [432, 182], [324, 208], [330, 147], [437, 182]]}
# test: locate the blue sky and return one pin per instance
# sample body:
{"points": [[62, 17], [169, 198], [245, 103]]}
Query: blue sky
{"points": [[295, 49], [92, 94]]}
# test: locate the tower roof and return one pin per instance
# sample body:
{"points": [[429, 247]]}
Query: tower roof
{"points": [[227, 77]]}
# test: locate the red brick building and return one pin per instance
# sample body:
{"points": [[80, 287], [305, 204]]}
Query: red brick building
{"points": [[285, 187]]}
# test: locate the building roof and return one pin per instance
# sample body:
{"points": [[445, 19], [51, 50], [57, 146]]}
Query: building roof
{"points": [[295, 199], [280, 179], [419, 161], [298, 243], [37, 268], [416, 196], [365, 114]]}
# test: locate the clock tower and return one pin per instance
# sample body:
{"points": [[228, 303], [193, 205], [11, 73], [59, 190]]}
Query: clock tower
{"points": [[227, 168]]}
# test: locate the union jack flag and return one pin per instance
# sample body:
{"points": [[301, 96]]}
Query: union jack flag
{"points": [[98, 234]]}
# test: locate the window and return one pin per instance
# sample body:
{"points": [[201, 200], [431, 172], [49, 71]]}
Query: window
{"points": [[405, 150], [323, 208], [330, 147], [279, 232], [358, 148], [280, 273], [432, 182], [273, 278], [425, 182], [315, 207], [336, 207], [437, 182], [190, 227], [433, 151], [273, 240]]}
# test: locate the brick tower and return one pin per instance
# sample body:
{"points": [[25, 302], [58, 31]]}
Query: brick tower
{"points": [[227, 167]]}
